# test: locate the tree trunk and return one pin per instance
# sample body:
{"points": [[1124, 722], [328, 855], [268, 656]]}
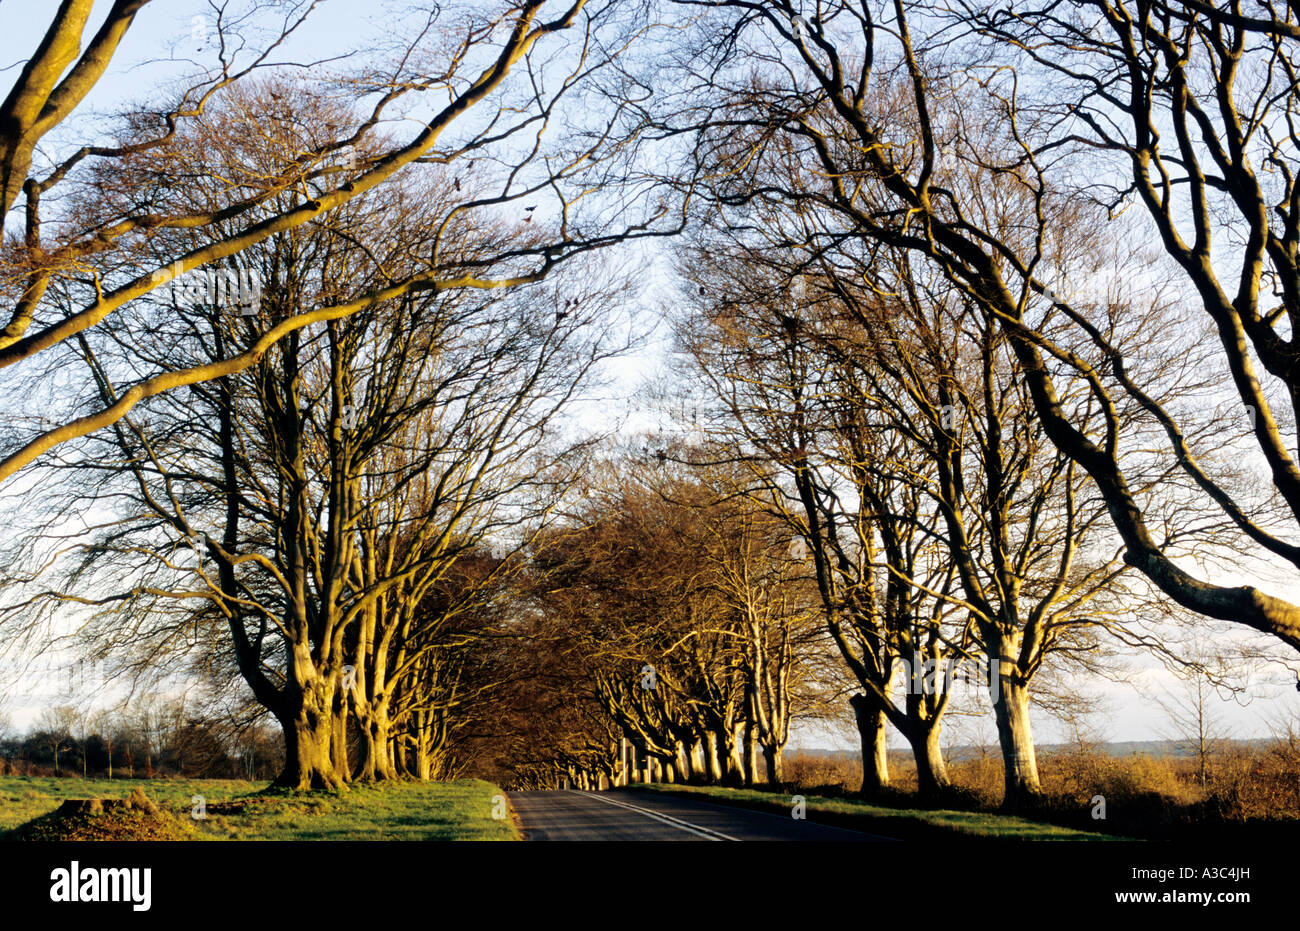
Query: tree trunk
{"points": [[696, 758], [376, 737], [423, 762], [712, 762], [773, 760], [730, 766], [339, 737], [1019, 761], [747, 755], [307, 760], [875, 754], [931, 773]]}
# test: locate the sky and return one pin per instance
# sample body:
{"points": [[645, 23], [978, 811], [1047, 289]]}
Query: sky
{"points": [[172, 30]]}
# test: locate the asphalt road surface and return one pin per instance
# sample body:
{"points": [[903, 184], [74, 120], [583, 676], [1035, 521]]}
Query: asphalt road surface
{"points": [[631, 815]]}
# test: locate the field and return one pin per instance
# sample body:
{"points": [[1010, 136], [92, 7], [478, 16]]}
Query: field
{"points": [[234, 809], [1249, 792]]}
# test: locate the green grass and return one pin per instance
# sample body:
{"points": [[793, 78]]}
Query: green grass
{"points": [[460, 810], [902, 823]]}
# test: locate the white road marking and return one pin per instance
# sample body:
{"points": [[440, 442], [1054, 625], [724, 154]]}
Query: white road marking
{"points": [[706, 833]]}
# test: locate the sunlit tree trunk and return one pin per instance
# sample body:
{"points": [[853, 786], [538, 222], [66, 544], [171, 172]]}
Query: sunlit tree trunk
{"points": [[872, 726], [1010, 697], [713, 771], [307, 720], [307, 762], [931, 771], [339, 737], [375, 729]]}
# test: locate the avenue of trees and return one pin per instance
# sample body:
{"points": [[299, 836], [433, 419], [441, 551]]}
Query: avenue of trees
{"points": [[980, 369]]}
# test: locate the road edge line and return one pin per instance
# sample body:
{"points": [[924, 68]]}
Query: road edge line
{"points": [[706, 833]]}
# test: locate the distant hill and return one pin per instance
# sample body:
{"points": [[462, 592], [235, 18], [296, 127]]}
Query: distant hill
{"points": [[1152, 748]]}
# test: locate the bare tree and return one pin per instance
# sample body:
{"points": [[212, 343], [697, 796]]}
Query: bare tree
{"points": [[845, 489], [1194, 721], [772, 594], [105, 725], [315, 503], [917, 132], [75, 271], [57, 724]]}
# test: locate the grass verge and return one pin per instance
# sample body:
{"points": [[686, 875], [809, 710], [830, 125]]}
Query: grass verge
{"points": [[901, 823], [239, 810]]}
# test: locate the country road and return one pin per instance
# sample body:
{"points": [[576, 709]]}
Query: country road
{"points": [[630, 815]]}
